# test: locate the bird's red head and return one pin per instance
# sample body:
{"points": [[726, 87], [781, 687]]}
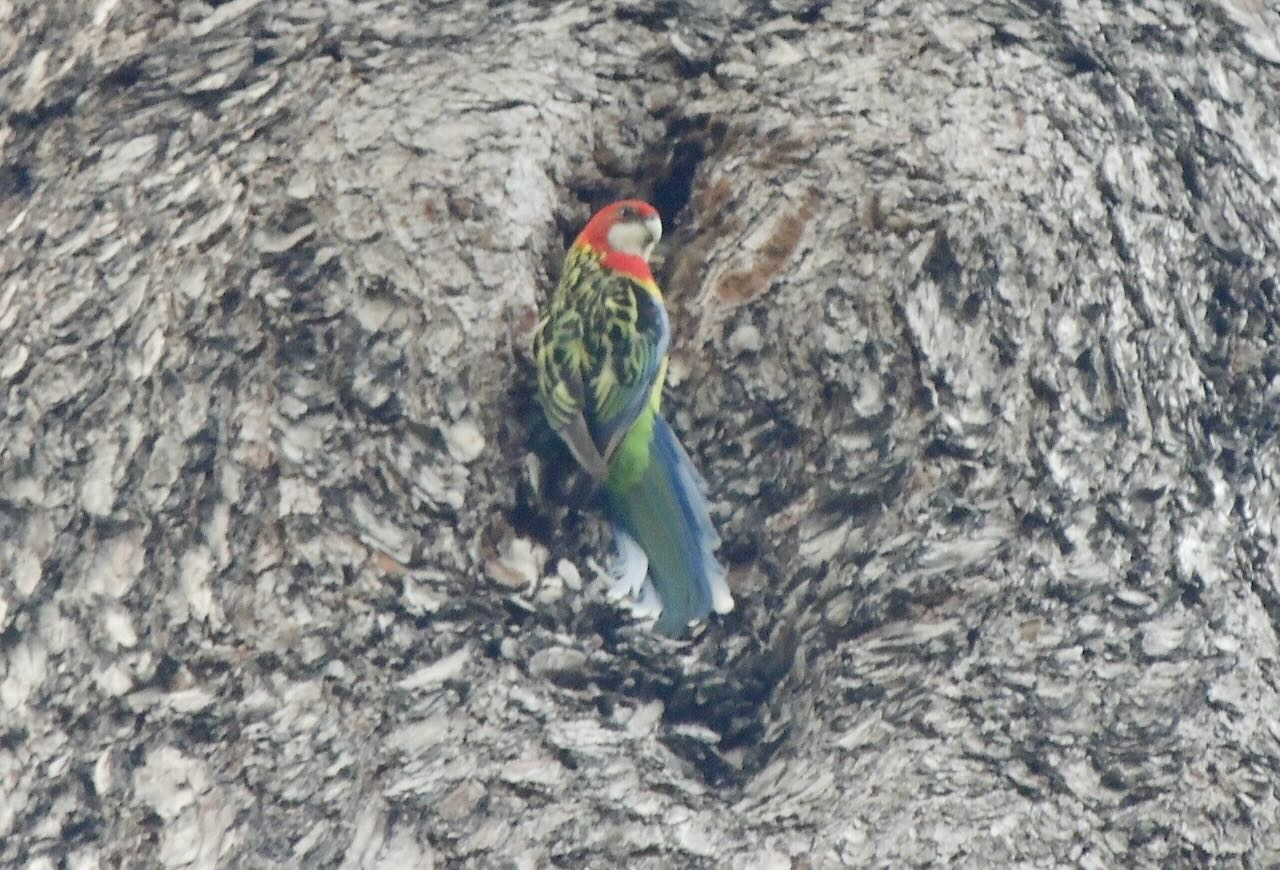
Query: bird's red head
{"points": [[609, 228], [624, 232]]}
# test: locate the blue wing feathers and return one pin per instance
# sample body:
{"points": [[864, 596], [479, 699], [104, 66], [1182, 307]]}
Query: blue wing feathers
{"points": [[667, 514]]}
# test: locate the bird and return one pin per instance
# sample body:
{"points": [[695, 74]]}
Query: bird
{"points": [[601, 349]]}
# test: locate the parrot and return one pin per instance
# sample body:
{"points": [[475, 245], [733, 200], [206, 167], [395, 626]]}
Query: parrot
{"points": [[600, 350]]}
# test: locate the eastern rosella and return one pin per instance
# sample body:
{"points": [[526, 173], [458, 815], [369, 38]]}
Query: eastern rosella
{"points": [[601, 351]]}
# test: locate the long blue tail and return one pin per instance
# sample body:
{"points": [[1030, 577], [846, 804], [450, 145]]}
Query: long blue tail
{"points": [[662, 527]]}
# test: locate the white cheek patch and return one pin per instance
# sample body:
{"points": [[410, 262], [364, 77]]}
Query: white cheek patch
{"points": [[628, 239]]}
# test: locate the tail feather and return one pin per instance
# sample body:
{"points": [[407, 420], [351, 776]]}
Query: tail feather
{"points": [[666, 515], [631, 576]]}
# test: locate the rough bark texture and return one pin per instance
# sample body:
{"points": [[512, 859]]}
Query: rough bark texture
{"points": [[976, 318]]}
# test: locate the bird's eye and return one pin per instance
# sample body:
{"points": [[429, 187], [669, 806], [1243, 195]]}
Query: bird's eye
{"points": [[626, 212]]}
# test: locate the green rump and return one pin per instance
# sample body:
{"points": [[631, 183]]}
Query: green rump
{"points": [[635, 452]]}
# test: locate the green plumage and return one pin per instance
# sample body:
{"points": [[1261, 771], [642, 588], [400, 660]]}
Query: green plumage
{"points": [[601, 353]]}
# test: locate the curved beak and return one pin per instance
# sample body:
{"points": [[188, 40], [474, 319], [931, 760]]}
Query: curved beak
{"points": [[653, 225], [653, 229]]}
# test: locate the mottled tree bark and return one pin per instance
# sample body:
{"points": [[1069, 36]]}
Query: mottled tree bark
{"points": [[975, 313]]}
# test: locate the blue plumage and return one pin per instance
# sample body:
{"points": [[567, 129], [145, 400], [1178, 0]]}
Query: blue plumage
{"points": [[666, 513]]}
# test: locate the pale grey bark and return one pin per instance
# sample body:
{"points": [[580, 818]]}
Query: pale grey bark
{"points": [[975, 315]]}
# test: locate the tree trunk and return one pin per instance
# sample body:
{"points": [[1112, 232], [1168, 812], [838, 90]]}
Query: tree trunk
{"points": [[976, 342]]}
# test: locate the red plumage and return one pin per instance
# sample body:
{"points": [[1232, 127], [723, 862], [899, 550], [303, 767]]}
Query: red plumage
{"points": [[595, 235]]}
